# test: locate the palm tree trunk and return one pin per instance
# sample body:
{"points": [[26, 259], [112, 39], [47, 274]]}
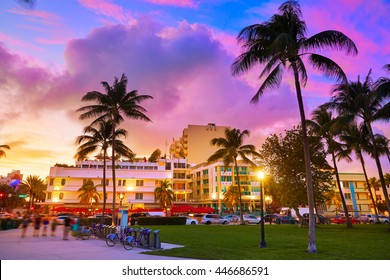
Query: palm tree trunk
{"points": [[310, 195], [104, 184], [380, 172], [239, 191], [369, 187], [348, 220], [113, 176]]}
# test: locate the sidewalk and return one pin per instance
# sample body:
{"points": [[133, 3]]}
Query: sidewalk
{"points": [[13, 247]]}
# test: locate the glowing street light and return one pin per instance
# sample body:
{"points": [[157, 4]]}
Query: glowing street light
{"points": [[261, 176], [121, 196]]}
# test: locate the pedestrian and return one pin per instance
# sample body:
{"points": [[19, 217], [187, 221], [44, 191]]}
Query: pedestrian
{"points": [[25, 222], [53, 226], [67, 225], [45, 224], [37, 225]]}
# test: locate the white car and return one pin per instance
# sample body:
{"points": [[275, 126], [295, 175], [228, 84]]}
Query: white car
{"points": [[251, 219], [191, 221], [214, 219]]}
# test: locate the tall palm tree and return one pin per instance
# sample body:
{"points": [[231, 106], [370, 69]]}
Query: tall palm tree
{"points": [[98, 137], [369, 101], [231, 197], [88, 193], [322, 125], [164, 195], [357, 138], [35, 187], [231, 148], [112, 105], [2, 152], [382, 145], [281, 43]]}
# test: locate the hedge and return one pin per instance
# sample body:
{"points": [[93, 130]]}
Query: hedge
{"points": [[161, 221]]}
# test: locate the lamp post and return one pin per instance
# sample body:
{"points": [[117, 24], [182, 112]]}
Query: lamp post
{"points": [[262, 244], [121, 196]]}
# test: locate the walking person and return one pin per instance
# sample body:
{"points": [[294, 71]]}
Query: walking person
{"points": [[67, 225], [45, 225], [25, 222], [37, 226], [53, 226]]}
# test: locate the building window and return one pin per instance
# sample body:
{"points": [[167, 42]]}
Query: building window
{"points": [[139, 183], [347, 196], [378, 197], [49, 195], [61, 196], [51, 182], [63, 181], [121, 183], [139, 196]]}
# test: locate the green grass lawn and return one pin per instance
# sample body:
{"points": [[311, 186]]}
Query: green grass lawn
{"points": [[284, 242]]}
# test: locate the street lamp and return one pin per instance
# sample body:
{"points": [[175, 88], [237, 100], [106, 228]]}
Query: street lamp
{"points": [[121, 196], [262, 244]]}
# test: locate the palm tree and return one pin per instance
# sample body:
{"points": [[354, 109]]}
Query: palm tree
{"points": [[35, 187], [231, 148], [332, 198], [99, 137], [281, 43], [387, 67], [88, 193], [368, 101], [164, 195], [111, 105], [322, 125], [357, 138], [383, 146], [231, 197], [2, 152]]}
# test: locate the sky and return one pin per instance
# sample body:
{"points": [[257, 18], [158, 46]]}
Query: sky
{"points": [[178, 51]]}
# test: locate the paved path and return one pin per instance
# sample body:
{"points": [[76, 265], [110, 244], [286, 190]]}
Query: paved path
{"points": [[13, 247]]}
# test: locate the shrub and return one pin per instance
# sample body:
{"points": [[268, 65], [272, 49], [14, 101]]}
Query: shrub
{"points": [[161, 221]]}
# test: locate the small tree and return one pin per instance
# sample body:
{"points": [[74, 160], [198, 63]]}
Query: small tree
{"points": [[164, 195]]}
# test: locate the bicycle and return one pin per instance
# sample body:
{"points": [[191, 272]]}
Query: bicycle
{"points": [[114, 238], [142, 240], [83, 232], [96, 229]]}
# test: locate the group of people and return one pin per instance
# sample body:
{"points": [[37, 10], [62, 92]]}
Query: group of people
{"points": [[41, 221]]}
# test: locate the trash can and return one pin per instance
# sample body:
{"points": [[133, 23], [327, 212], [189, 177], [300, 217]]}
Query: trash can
{"points": [[3, 225], [157, 241]]}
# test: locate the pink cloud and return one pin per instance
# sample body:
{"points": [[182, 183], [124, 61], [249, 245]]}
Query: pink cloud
{"points": [[178, 3], [109, 9], [42, 16]]}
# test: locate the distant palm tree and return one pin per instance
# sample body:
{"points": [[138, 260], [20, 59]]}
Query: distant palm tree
{"points": [[369, 101], [281, 43], [35, 187], [98, 137], [387, 67], [164, 195], [2, 152], [231, 197], [111, 105], [382, 145], [322, 124], [231, 148], [333, 198], [88, 193], [357, 139]]}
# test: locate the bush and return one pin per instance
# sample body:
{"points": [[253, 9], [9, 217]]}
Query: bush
{"points": [[161, 221]]}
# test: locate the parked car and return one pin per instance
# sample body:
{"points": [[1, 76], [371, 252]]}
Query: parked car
{"points": [[6, 215], [321, 218], [270, 218], [282, 219], [251, 219], [214, 219], [232, 218], [191, 221], [343, 220], [383, 219], [368, 219], [133, 218]]}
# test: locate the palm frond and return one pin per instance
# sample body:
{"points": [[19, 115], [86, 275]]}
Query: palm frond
{"points": [[330, 68], [273, 80]]}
